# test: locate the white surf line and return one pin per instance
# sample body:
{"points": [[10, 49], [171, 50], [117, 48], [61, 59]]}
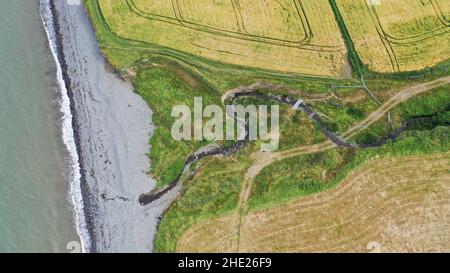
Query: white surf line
{"points": [[68, 137]]}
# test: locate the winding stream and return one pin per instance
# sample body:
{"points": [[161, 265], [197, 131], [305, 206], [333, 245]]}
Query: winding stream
{"points": [[297, 104]]}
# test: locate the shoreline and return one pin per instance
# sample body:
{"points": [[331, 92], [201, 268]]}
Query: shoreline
{"points": [[53, 32], [112, 126]]}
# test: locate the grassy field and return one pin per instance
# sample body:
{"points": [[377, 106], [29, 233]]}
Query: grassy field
{"points": [[303, 36], [398, 35], [162, 86], [209, 193]]}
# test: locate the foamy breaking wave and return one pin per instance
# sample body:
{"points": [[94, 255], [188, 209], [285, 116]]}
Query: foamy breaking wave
{"points": [[75, 194]]}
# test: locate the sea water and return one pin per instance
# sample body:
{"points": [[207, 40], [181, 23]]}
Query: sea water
{"points": [[36, 212]]}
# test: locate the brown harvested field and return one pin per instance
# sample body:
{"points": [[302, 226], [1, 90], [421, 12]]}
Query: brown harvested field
{"points": [[398, 35], [389, 204], [297, 36]]}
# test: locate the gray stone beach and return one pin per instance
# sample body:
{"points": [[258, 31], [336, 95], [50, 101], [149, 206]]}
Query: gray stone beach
{"points": [[113, 127]]}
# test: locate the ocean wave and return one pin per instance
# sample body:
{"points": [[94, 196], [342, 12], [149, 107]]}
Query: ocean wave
{"points": [[68, 136]]}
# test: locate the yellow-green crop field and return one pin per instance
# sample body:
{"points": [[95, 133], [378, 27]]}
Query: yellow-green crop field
{"points": [[398, 35], [294, 36]]}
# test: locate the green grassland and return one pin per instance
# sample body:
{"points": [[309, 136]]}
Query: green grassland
{"points": [[212, 191], [164, 87]]}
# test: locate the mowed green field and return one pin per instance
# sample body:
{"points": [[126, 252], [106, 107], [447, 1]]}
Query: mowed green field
{"points": [[398, 35], [299, 37]]}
